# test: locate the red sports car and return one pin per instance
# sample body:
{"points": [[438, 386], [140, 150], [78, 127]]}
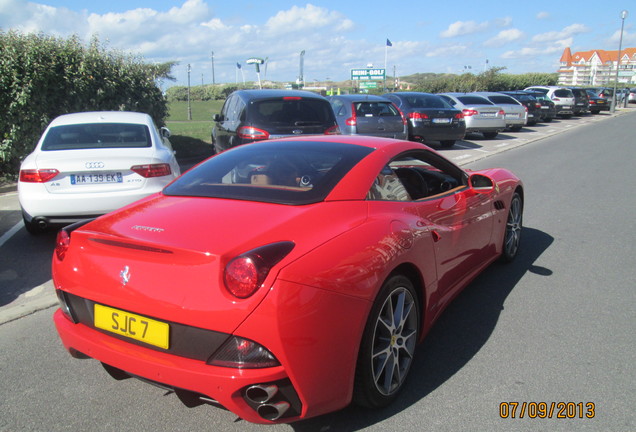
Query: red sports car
{"points": [[284, 279]]}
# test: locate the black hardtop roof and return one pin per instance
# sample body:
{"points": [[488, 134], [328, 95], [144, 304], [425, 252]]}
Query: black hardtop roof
{"points": [[410, 94], [249, 95], [361, 97]]}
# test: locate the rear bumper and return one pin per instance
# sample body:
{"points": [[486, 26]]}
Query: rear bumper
{"points": [[36, 202], [436, 133], [221, 385]]}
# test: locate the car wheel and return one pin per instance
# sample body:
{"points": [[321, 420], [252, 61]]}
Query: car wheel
{"points": [[512, 237], [490, 135], [595, 111], [548, 119], [388, 344], [447, 143], [516, 128]]}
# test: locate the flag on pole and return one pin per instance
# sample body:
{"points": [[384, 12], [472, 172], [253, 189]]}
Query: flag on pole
{"points": [[388, 42]]}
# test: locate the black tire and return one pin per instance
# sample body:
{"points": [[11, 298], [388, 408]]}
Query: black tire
{"points": [[490, 135], [514, 223], [447, 143], [595, 111], [516, 128], [548, 119], [387, 344]]}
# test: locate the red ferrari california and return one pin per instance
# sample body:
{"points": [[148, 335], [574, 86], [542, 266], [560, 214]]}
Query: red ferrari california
{"points": [[284, 279]]}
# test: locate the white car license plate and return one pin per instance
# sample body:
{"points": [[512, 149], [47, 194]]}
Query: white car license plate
{"points": [[80, 179], [566, 107], [512, 116], [441, 120], [488, 114]]}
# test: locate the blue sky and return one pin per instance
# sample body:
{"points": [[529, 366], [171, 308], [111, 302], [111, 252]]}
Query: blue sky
{"points": [[426, 36]]}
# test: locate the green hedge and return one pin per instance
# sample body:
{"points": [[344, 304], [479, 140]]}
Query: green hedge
{"points": [[42, 77]]}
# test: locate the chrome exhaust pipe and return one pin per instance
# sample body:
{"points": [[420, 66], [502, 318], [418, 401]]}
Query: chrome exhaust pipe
{"points": [[273, 411], [261, 393]]}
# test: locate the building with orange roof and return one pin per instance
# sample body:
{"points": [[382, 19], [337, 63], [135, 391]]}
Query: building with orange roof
{"points": [[597, 67]]}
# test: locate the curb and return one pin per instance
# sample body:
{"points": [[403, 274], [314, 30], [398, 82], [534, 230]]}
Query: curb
{"points": [[39, 298]]}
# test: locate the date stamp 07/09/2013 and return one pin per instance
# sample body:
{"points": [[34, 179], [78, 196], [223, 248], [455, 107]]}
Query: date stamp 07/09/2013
{"points": [[543, 410]]}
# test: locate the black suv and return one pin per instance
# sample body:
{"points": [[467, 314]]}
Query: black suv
{"points": [[581, 101], [255, 115]]}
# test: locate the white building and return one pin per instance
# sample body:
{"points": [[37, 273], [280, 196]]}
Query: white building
{"points": [[597, 67]]}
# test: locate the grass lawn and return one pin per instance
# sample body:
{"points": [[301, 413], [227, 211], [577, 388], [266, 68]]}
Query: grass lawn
{"points": [[192, 138]]}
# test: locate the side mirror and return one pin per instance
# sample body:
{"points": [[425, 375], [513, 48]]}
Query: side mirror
{"points": [[480, 183], [217, 118], [165, 132]]}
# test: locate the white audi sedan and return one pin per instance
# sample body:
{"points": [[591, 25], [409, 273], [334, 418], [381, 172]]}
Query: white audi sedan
{"points": [[88, 164]]}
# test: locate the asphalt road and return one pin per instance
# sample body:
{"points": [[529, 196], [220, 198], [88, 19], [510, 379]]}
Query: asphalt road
{"points": [[557, 325]]}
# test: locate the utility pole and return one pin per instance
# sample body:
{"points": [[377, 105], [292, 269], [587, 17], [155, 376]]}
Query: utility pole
{"points": [[213, 81], [189, 107]]}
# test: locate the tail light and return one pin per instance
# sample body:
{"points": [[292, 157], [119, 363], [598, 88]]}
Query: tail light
{"points": [[63, 239], [592, 102], [333, 130], [252, 133], [537, 105], [152, 170], [38, 175], [401, 113], [353, 120], [556, 99], [242, 353], [418, 116], [62, 242], [501, 113], [246, 273], [525, 108], [469, 112], [459, 116]]}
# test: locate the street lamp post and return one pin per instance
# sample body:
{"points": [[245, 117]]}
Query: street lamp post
{"points": [[618, 61]]}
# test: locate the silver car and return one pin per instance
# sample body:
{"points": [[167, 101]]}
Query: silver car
{"points": [[563, 99], [481, 115], [516, 114], [363, 114]]}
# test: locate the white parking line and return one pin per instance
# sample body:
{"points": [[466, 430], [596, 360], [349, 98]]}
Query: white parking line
{"points": [[6, 236]]}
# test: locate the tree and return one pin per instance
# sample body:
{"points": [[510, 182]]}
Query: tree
{"points": [[42, 77]]}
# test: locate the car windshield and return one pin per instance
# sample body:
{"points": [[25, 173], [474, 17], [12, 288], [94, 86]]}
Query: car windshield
{"points": [[286, 172], [96, 135]]}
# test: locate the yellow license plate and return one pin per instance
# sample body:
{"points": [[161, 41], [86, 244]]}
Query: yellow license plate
{"points": [[131, 325]]}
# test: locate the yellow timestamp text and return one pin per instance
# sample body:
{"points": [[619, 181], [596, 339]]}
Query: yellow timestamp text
{"points": [[558, 410]]}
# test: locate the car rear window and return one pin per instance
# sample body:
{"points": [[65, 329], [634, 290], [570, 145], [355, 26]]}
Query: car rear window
{"points": [[503, 100], [563, 93], [474, 100], [290, 111], [427, 102], [96, 135], [375, 109], [290, 172]]}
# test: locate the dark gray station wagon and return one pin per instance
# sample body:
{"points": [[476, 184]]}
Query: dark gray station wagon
{"points": [[362, 114]]}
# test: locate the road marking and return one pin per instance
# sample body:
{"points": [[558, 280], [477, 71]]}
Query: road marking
{"points": [[6, 236]]}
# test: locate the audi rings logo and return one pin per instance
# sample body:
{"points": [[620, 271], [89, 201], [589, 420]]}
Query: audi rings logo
{"points": [[94, 165]]}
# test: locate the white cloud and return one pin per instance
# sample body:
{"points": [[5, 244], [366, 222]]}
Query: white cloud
{"points": [[567, 32], [309, 18], [504, 37], [543, 15], [460, 28]]}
